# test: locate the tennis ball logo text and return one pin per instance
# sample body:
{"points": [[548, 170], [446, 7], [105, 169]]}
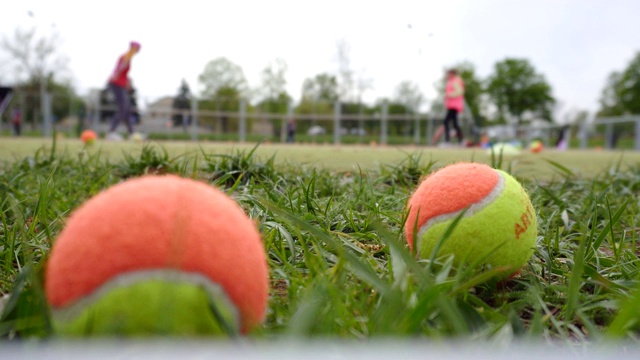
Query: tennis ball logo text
{"points": [[525, 220]]}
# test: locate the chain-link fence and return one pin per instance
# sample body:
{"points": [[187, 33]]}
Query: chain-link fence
{"points": [[235, 119]]}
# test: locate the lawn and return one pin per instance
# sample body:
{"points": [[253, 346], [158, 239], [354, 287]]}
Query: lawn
{"points": [[331, 220], [347, 157]]}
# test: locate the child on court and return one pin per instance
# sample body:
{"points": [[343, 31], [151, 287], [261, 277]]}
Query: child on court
{"points": [[454, 102], [119, 84]]}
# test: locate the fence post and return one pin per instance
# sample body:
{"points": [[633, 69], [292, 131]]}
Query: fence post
{"points": [[283, 130], [46, 114], [242, 125], [95, 119], [383, 124], [23, 109], [360, 123], [194, 119], [583, 135], [429, 131], [416, 131], [637, 137], [608, 136], [336, 123]]}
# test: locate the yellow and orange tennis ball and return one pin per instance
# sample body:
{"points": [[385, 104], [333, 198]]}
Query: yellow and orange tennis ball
{"points": [[497, 230], [157, 255], [536, 146], [88, 137]]}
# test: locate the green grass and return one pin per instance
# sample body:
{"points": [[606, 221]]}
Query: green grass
{"points": [[331, 220], [348, 158]]}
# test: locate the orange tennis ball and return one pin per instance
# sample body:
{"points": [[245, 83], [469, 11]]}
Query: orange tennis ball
{"points": [[498, 228], [88, 137], [536, 146], [157, 255]]}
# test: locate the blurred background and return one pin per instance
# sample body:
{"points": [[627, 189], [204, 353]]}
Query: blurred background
{"points": [[343, 72]]}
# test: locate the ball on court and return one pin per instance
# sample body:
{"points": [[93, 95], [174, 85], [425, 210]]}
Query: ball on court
{"points": [[137, 137], [88, 137], [536, 146], [157, 255], [497, 230]]}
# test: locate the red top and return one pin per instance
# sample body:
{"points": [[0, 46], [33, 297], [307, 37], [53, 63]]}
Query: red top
{"points": [[120, 73]]}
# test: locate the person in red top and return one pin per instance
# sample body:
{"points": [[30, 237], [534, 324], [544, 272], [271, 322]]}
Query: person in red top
{"points": [[119, 85], [454, 102]]}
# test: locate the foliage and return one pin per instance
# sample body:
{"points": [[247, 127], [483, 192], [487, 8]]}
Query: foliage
{"points": [[519, 93], [621, 94], [273, 85], [36, 57], [346, 81], [38, 65], [182, 102], [321, 88], [473, 89], [395, 108], [220, 112], [408, 93], [221, 73]]}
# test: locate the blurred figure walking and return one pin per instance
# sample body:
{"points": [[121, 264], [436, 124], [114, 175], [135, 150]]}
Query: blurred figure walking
{"points": [[16, 121], [120, 86], [454, 102], [291, 130]]}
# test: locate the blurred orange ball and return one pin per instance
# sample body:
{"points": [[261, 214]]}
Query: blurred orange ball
{"points": [[536, 146], [88, 137]]}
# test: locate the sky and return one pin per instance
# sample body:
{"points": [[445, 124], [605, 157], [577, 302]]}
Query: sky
{"points": [[575, 44]]}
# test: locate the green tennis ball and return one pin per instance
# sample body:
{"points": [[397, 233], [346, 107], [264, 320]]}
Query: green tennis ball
{"points": [[157, 255], [154, 305], [497, 230]]}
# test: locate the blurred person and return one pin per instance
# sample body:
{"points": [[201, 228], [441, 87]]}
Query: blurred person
{"points": [[563, 138], [120, 85], [454, 102], [16, 121], [291, 130]]}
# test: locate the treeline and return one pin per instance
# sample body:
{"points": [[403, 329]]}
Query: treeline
{"points": [[514, 92]]}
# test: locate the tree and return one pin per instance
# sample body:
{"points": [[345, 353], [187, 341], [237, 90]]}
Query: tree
{"points": [[345, 74], [621, 96], [393, 108], [621, 93], [274, 80], [519, 93], [222, 73], [34, 57], [274, 96], [323, 87], [224, 85], [37, 67], [181, 105], [408, 94]]}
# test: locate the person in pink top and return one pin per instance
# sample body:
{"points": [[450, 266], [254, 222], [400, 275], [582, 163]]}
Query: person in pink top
{"points": [[119, 85], [454, 102]]}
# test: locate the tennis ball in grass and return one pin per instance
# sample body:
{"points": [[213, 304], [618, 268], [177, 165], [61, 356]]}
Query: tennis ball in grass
{"points": [[137, 137], [536, 146], [88, 137], [157, 255], [498, 228]]}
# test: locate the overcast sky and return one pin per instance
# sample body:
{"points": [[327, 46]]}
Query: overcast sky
{"points": [[576, 44]]}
